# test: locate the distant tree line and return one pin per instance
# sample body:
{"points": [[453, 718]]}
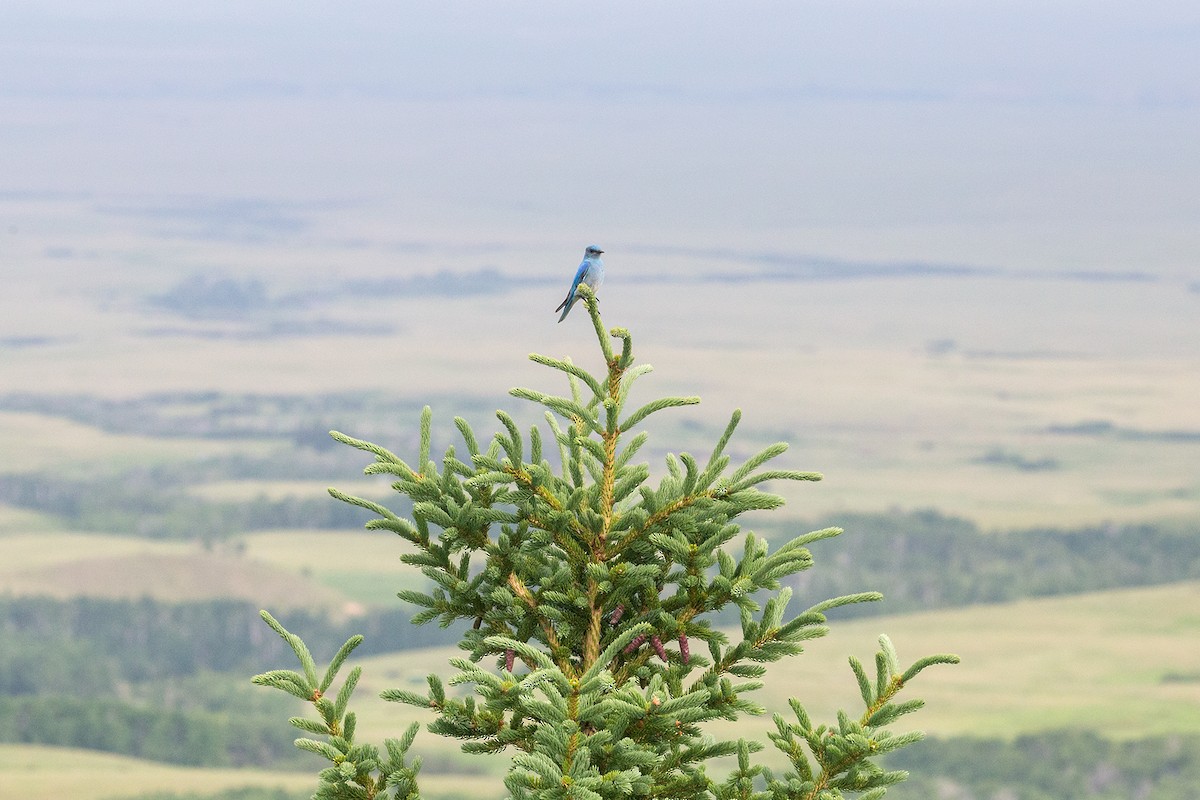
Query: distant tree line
{"points": [[301, 419], [195, 738], [1056, 765], [163, 681], [923, 560], [201, 297], [137, 505], [918, 560], [86, 645]]}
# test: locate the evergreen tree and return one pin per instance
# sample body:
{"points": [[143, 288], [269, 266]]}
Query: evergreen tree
{"points": [[586, 591]]}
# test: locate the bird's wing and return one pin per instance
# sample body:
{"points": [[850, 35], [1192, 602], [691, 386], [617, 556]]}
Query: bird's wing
{"points": [[579, 273], [584, 266]]}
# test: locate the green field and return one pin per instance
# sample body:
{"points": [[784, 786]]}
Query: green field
{"points": [[36, 442], [32, 772], [364, 567], [97, 565], [272, 568]]}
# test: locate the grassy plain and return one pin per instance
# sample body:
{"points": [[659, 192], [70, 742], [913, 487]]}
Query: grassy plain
{"points": [[65, 564], [39, 442], [363, 566], [32, 772], [273, 568]]}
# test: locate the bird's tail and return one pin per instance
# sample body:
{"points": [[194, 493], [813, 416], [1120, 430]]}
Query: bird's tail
{"points": [[565, 306]]}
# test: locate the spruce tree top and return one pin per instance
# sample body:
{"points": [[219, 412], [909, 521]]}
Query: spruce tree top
{"points": [[586, 591]]}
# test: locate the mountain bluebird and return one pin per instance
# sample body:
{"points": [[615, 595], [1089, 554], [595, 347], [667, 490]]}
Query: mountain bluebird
{"points": [[591, 272]]}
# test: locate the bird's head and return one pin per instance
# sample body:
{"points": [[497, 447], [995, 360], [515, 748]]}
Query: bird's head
{"points": [[592, 251]]}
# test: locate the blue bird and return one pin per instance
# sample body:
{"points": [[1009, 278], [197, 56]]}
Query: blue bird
{"points": [[591, 272]]}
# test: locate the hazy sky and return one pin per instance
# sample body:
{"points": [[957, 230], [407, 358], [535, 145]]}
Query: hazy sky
{"points": [[1024, 134]]}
